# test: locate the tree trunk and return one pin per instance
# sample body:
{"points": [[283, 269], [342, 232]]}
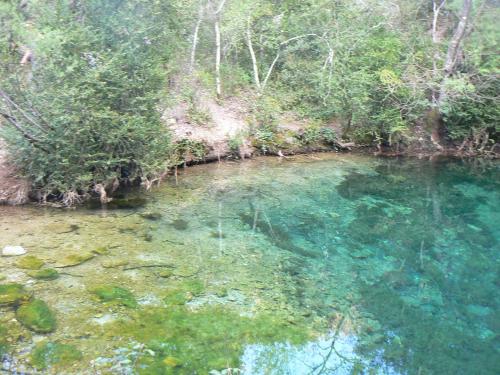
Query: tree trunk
{"points": [[192, 60], [454, 46], [217, 59], [252, 55]]}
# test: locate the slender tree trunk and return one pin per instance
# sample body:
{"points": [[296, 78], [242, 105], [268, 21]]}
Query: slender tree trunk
{"points": [[201, 13], [455, 46], [456, 40], [218, 84], [217, 59], [255, 66]]}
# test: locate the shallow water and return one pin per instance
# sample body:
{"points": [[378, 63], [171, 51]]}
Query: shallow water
{"points": [[330, 264]]}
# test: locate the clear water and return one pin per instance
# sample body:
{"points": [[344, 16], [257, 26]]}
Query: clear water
{"points": [[330, 264]]}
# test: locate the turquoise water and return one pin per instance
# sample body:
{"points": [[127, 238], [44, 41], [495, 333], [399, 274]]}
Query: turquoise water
{"points": [[330, 264]]}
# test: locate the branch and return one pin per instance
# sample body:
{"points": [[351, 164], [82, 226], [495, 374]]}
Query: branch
{"points": [[34, 141], [219, 9]]}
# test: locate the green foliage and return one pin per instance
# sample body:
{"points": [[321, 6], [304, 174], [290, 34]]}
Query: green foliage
{"points": [[187, 150], [92, 96], [315, 134], [472, 106]]}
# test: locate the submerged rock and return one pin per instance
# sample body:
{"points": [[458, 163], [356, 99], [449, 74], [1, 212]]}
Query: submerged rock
{"points": [[53, 354], [101, 250], [45, 274], [12, 251], [115, 263], [153, 216], [180, 224], [36, 316], [13, 294], [30, 262], [115, 294], [75, 260]]}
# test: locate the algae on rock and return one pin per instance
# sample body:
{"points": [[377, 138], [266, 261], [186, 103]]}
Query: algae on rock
{"points": [[13, 294], [54, 355], [75, 260], [37, 316], [30, 262], [115, 294], [45, 274]]}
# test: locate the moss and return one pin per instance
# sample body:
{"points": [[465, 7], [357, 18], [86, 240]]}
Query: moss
{"points": [[3, 340], [101, 250], [54, 355], [75, 259], [115, 295], [37, 316], [184, 292], [172, 362], [45, 274], [209, 339], [13, 294], [30, 262]]}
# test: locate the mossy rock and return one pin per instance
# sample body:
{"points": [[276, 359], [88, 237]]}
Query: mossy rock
{"points": [[45, 274], [54, 355], [180, 224], [36, 316], [153, 216], [165, 274], [101, 250], [13, 294], [75, 260], [30, 262], [115, 294], [115, 263]]}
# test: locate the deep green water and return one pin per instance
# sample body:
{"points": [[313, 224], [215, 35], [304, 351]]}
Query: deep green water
{"points": [[331, 264]]}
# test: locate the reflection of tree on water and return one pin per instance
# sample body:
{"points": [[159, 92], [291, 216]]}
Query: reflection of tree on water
{"points": [[406, 249]]}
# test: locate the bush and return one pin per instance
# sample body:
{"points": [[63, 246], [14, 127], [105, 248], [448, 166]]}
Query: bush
{"points": [[87, 114]]}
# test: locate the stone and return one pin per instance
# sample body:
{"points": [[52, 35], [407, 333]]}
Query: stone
{"points": [[165, 274], [30, 262], [45, 274], [115, 263], [101, 250], [13, 251], [36, 316], [75, 260], [13, 294], [115, 294], [151, 215]]}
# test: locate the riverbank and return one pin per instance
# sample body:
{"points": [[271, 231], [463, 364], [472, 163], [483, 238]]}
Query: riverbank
{"points": [[212, 131]]}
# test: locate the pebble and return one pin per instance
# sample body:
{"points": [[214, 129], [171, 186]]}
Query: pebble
{"points": [[13, 251]]}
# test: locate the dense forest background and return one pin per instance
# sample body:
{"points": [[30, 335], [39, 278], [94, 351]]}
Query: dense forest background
{"points": [[83, 83]]}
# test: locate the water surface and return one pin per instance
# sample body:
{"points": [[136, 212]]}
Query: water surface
{"points": [[326, 264]]}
